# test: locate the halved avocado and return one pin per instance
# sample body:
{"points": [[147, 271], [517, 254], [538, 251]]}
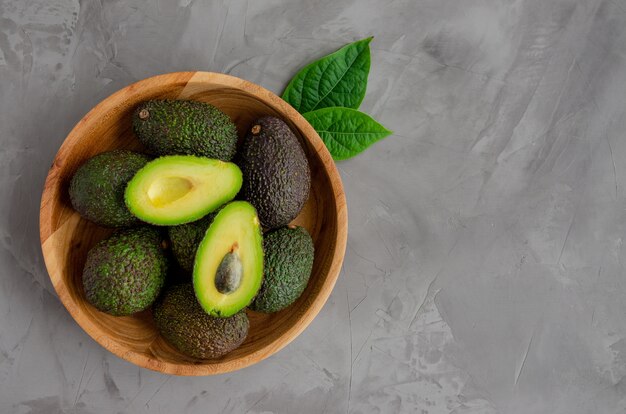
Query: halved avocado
{"points": [[228, 270], [180, 189]]}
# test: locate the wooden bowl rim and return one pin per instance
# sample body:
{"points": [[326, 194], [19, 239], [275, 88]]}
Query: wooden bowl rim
{"points": [[216, 367]]}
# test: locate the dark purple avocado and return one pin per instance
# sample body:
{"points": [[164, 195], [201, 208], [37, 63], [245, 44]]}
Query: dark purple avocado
{"points": [[276, 174]]}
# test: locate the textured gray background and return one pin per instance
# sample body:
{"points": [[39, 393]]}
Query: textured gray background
{"points": [[484, 270]]}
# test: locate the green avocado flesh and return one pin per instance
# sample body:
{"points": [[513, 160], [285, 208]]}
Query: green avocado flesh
{"points": [[169, 127], [289, 254], [183, 323], [179, 189], [228, 269], [125, 273], [97, 187]]}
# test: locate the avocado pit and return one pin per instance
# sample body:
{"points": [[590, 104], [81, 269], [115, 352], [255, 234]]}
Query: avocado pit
{"points": [[229, 272]]}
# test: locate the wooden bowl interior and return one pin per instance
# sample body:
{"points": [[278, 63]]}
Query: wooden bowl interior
{"points": [[135, 338]]}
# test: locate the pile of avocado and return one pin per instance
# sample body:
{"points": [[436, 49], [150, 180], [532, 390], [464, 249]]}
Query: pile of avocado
{"points": [[186, 206]]}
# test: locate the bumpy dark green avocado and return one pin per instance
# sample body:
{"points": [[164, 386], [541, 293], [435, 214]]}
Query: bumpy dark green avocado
{"points": [[276, 175], [170, 127], [125, 273], [289, 256], [185, 239], [182, 321], [97, 188]]}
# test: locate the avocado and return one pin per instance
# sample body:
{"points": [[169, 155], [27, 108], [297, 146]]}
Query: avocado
{"points": [[97, 188], [228, 270], [276, 175], [125, 273], [289, 256], [179, 189], [169, 127], [182, 322], [185, 239]]}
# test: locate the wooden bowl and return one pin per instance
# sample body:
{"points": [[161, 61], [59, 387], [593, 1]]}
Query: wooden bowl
{"points": [[66, 237]]}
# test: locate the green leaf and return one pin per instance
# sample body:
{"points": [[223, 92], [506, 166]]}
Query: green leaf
{"points": [[346, 132], [339, 79]]}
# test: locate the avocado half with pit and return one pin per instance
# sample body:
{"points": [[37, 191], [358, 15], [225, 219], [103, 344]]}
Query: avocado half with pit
{"points": [[228, 269], [179, 189]]}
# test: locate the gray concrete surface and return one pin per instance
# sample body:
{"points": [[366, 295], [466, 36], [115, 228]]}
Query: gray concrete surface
{"points": [[484, 271]]}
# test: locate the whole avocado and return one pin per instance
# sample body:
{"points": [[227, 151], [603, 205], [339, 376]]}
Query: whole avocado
{"points": [[125, 273], [185, 239], [97, 188], [276, 175], [169, 127], [289, 254], [182, 322]]}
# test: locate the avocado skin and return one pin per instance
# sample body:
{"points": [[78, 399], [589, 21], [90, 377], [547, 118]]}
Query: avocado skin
{"points": [[97, 188], [185, 239], [289, 255], [276, 175], [125, 273], [182, 322], [186, 127]]}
